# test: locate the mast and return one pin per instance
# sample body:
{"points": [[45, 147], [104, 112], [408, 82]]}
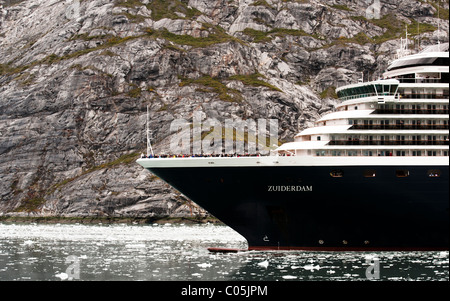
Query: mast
{"points": [[403, 51], [149, 144]]}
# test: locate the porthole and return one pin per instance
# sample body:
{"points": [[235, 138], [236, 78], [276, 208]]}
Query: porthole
{"points": [[337, 173], [433, 173], [402, 173], [370, 173]]}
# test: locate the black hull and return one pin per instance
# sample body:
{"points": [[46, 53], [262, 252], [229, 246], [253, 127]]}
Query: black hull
{"points": [[305, 208]]}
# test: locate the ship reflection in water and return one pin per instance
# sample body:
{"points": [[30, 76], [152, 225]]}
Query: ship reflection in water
{"points": [[179, 253]]}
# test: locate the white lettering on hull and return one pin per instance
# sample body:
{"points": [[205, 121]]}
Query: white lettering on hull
{"points": [[293, 188]]}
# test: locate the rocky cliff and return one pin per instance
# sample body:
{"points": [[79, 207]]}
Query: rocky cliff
{"points": [[76, 78]]}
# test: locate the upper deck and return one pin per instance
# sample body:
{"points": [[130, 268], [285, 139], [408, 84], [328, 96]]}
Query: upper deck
{"points": [[428, 69], [436, 55]]}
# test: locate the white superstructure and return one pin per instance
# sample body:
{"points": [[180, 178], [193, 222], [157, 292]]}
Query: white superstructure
{"points": [[403, 114]]}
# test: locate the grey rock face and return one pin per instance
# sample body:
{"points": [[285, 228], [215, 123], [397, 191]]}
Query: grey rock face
{"points": [[76, 78]]}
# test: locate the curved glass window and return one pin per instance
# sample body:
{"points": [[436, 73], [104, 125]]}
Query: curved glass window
{"points": [[361, 91], [424, 61], [367, 90]]}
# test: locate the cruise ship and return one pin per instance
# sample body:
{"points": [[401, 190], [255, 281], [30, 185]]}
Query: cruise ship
{"points": [[372, 175]]}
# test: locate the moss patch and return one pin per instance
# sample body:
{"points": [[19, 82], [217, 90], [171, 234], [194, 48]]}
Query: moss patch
{"points": [[214, 85], [329, 92], [125, 159], [259, 36], [108, 41], [216, 35], [394, 29], [30, 205], [171, 9], [254, 80]]}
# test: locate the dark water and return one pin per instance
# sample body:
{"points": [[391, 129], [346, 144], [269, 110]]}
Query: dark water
{"points": [[179, 253]]}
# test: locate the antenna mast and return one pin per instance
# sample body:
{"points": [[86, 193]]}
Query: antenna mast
{"points": [[404, 49], [149, 144]]}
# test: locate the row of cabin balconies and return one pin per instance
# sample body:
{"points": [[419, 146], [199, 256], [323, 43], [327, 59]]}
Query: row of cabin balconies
{"points": [[359, 153], [411, 111], [419, 80], [423, 96], [388, 142], [399, 127]]}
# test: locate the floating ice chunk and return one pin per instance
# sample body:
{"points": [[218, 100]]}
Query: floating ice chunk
{"points": [[311, 267], [197, 274], [204, 265], [28, 242], [289, 277], [62, 276], [264, 264]]}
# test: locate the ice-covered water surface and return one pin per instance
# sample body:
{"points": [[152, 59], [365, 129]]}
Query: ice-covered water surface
{"points": [[179, 252]]}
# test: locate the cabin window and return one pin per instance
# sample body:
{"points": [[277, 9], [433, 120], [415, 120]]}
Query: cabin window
{"points": [[402, 173], [369, 173], [433, 173], [337, 173], [318, 138]]}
